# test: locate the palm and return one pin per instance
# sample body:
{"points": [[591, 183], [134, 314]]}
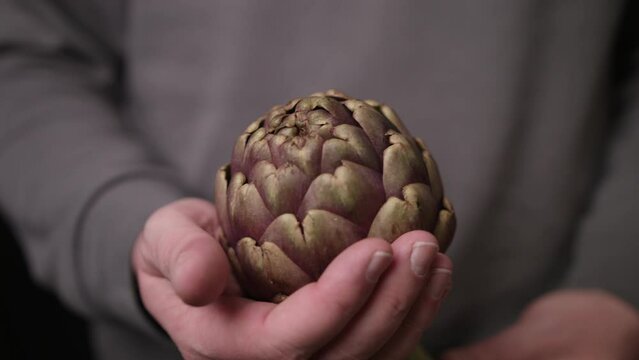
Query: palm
{"points": [[356, 309]]}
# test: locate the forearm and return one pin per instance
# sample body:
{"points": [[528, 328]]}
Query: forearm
{"points": [[74, 184]]}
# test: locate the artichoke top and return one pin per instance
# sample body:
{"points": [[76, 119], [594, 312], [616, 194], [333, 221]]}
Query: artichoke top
{"points": [[315, 175]]}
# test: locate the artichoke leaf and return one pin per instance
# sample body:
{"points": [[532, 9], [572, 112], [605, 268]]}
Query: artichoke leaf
{"points": [[328, 234], [313, 120], [286, 232], [237, 161], [392, 116], [418, 211], [254, 126], [268, 270], [247, 211], [374, 124], [421, 145], [338, 113], [332, 93], [235, 265], [238, 153], [312, 244], [303, 152], [432, 169], [446, 224], [256, 150], [221, 186], [282, 188], [434, 177], [349, 143], [402, 166], [373, 103], [354, 192]]}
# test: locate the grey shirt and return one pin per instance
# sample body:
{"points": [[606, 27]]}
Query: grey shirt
{"points": [[110, 109]]}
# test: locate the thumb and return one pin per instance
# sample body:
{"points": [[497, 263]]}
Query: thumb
{"points": [[177, 244]]}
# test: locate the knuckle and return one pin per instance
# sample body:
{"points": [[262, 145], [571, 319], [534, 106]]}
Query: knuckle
{"points": [[342, 306], [397, 307]]}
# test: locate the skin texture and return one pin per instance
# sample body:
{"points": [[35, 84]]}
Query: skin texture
{"points": [[355, 310], [566, 325]]}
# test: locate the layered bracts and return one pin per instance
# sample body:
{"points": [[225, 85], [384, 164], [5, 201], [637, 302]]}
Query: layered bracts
{"points": [[315, 175]]}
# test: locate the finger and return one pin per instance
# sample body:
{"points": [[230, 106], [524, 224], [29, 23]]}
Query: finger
{"points": [[314, 314], [375, 324], [180, 248], [407, 337]]}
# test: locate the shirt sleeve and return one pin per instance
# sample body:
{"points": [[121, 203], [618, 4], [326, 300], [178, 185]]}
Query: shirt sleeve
{"points": [[606, 252], [75, 184]]}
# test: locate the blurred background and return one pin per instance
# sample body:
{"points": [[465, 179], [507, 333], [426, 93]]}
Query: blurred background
{"points": [[33, 323], [459, 75]]}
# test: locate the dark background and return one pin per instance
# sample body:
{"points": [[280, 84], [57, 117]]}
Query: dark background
{"points": [[33, 323]]}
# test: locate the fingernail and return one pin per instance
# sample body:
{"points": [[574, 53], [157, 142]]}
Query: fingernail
{"points": [[379, 262], [439, 283], [421, 257]]}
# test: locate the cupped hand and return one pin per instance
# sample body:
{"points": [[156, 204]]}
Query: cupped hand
{"points": [[564, 325], [373, 301]]}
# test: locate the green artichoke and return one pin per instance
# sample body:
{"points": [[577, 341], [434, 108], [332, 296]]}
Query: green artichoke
{"points": [[315, 175]]}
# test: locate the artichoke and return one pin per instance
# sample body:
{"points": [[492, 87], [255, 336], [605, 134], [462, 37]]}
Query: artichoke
{"points": [[311, 177]]}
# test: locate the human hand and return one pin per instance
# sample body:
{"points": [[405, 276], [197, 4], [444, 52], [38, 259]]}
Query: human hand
{"points": [[569, 324], [367, 303]]}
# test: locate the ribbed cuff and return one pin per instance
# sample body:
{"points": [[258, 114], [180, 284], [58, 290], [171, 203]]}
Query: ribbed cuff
{"points": [[111, 223]]}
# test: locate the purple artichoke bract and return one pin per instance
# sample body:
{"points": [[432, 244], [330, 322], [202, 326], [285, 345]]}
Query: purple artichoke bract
{"points": [[315, 175]]}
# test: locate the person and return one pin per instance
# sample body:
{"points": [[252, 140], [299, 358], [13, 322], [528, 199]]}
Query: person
{"points": [[116, 115]]}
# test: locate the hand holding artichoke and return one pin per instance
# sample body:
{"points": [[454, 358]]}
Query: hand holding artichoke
{"points": [[315, 175]]}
